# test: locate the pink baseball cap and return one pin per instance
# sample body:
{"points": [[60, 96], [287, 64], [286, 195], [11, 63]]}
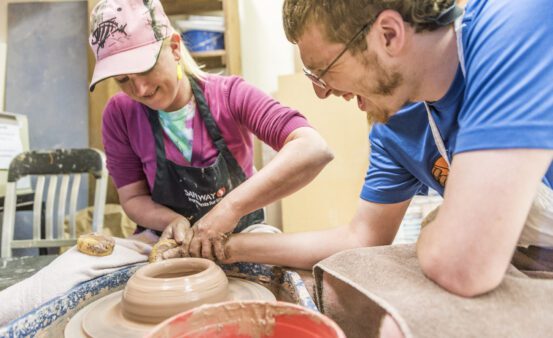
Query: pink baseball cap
{"points": [[126, 36]]}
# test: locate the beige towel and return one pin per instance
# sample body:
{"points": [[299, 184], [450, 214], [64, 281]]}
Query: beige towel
{"points": [[357, 287]]}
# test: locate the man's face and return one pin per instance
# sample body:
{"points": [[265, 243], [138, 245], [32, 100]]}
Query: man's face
{"points": [[377, 86]]}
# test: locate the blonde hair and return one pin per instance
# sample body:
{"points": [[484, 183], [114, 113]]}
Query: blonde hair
{"points": [[341, 19], [190, 65]]}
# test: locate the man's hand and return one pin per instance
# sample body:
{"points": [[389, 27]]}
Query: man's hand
{"points": [[176, 230]]}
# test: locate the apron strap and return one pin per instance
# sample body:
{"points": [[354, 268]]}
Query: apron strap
{"points": [[433, 127], [214, 131], [460, 50], [153, 116], [436, 135]]}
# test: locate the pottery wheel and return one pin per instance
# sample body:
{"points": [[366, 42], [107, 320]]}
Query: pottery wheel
{"points": [[241, 289], [104, 318]]}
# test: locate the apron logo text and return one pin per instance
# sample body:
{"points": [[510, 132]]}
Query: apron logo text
{"points": [[203, 200]]}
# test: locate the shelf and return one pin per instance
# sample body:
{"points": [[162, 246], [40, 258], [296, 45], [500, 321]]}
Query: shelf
{"points": [[213, 59], [209, 54], [176, 7], [229, 58]]}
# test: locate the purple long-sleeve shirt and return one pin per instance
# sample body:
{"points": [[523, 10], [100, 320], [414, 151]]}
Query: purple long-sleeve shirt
{"points": [[238, 108]]}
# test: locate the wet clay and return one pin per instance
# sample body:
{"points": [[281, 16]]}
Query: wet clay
{"points": [[108, 311], [154, 293], [158, 291]]}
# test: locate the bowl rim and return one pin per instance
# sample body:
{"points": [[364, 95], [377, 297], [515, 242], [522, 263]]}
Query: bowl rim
{"points": [[149, 270]]}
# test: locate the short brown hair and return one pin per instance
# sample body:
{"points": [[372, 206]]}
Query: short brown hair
{"points": [[343, 18]]}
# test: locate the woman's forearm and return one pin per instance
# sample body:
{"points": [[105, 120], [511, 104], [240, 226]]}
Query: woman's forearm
{"points": [[295, 165], [147, 213]]}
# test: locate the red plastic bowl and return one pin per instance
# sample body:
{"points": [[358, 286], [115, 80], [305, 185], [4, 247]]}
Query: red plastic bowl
{"points": [[252, 319]]}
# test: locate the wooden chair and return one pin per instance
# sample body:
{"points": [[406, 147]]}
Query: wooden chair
{"points": [[68, 165]]}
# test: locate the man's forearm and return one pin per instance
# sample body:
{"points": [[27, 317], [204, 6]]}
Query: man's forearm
{"points": [[373, 224], [298, 250], [469, 246]]}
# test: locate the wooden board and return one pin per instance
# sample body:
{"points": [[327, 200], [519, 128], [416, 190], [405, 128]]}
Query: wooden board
{"points": [[191, 6], [331, 199]]}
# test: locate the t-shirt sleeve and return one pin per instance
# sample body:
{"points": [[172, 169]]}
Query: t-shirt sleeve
{"points": [[124, 166], [265, 117], [508, 48], [387, 181]]}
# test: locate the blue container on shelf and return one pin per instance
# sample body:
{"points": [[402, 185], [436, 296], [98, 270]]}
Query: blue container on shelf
{"points": [[203, 40]]}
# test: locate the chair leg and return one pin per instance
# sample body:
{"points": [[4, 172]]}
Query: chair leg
{"points": [[43, 251], [8, 220]]}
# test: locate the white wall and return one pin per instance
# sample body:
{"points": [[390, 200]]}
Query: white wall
{"points": [[266, 54]]}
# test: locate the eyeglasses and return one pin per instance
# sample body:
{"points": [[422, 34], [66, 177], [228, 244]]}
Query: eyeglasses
{"points": [[317, 80]]}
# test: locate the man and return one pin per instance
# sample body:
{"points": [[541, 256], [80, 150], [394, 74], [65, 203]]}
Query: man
{"points": [[467, 112]]}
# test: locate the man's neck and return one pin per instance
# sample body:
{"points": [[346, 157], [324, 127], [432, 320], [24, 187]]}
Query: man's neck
{"points": [[435, 62]]}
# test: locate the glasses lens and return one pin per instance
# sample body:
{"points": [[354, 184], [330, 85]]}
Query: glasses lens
{"points": [[318, 82]]}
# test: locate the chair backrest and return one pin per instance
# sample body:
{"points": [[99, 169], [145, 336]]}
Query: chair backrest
{"points": [[51, 165]]}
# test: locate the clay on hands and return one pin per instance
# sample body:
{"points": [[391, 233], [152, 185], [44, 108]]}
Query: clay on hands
{"points": [[208, 243], [169, 248], [159, 248]]}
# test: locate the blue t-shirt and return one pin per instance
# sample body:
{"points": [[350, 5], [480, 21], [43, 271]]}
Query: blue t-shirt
{"points": [[504, 101]]}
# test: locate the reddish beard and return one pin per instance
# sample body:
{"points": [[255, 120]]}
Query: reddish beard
{"points": [[387, 82]]}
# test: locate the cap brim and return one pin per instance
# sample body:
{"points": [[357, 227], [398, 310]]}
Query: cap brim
{"points": [[136, 60]]}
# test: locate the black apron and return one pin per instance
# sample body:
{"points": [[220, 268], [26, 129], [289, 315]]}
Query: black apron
{"points": [[193, 191]]}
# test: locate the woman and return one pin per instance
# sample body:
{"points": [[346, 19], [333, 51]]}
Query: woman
{"points": [[179, 141]]}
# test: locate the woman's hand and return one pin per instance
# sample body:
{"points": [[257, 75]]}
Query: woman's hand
{"points": [[169, 248], [211, 233], [176, 230]]}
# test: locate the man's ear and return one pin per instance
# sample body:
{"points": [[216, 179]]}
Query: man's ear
{"points": [[390, 29], [174, 43]]}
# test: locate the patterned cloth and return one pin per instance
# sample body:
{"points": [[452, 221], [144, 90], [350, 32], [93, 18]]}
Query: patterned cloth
{"points": [[64, 273]]}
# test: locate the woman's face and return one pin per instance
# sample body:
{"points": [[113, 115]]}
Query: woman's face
{"points": [[158, 88]]}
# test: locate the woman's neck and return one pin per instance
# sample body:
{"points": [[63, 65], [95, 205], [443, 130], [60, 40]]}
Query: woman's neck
{"points": [[183, 97]]}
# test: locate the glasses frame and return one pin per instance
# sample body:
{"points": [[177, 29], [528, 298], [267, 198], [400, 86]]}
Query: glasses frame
{"points": [[317, 80]]}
